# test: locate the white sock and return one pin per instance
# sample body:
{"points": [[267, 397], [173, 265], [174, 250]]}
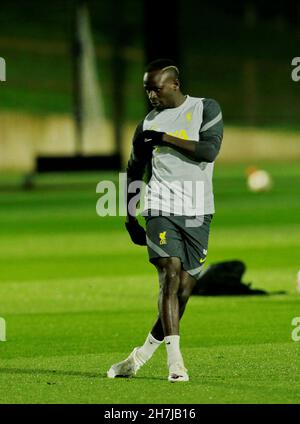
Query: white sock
{"points": [[173, 350], [149, 347]]}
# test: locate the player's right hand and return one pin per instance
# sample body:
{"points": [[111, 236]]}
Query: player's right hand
{"points": [[155, 138], [142, 150], [136, 232]]}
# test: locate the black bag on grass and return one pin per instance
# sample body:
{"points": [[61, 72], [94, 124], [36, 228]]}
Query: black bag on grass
{"points": [[224, 278]]}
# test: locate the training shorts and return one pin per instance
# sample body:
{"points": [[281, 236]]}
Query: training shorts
{"points": [[181, 236]]}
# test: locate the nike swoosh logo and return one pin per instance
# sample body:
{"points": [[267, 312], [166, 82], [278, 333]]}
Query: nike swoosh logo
{"points": [[148, 139], [202, 260]]}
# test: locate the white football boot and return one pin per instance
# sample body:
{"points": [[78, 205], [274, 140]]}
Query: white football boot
{"points": [[127, 368], [177, 372]]}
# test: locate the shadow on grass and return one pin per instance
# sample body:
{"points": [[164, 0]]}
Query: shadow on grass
{"points": [[51, 372], [69, 374]]}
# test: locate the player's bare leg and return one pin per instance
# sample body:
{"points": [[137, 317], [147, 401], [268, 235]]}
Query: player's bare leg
{"points": [[140, 355], [169, 271], [187, 284]]}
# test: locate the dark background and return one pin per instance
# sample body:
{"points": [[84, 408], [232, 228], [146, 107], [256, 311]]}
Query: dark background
{"points": [[237, 52]]}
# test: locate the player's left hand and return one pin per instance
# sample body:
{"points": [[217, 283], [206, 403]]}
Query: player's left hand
{"points": [[154, 138]]}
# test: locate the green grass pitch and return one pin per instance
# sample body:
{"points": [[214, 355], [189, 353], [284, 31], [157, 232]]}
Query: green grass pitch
{"points": [[77, 296]]}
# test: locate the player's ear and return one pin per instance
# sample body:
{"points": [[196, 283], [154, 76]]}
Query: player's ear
{"points": [[176, 84]]}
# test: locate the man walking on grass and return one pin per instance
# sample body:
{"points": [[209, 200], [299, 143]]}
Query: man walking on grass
{"points": [[180, 138]]}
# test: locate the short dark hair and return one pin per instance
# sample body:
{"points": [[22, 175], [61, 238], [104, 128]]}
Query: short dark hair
{"points": [[161, 64]]}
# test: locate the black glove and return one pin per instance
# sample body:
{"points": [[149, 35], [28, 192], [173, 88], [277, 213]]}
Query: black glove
{"points": [[153, 137], [136, 232], [142, 150], [144, 143]]}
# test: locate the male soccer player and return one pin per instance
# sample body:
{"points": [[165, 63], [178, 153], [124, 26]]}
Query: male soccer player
{"points": [[181, 137]]}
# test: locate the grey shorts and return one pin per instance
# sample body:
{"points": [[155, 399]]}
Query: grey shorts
{"points": [[180, 236]]}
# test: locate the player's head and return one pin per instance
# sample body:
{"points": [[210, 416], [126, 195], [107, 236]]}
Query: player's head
{"points": [[161, 82]]}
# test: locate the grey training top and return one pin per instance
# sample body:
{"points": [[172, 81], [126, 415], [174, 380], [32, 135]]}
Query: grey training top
{"points": [[179, 184]]}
